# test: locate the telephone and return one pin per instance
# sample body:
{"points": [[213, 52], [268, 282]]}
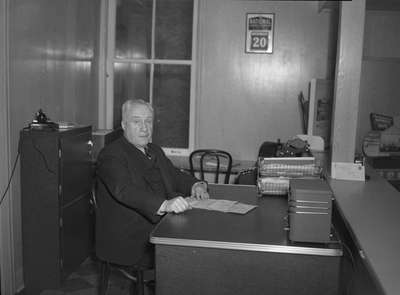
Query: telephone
{"points": [[41, 121], [295, 147]]}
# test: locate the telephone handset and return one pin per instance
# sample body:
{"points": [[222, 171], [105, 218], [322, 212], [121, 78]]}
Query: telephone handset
{"points": [[41, 121]]}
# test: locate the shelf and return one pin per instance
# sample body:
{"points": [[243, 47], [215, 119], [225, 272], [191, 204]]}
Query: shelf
{"points": [[382, 59]]}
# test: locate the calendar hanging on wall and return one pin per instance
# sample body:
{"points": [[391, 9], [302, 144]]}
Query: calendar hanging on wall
{"points": [[259, 32]]}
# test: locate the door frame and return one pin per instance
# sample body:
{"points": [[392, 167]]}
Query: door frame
{"points": [[7, 271]]}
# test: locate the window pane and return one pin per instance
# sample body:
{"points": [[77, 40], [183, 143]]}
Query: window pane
{"points": [[131, 81], [133, 29], [173, 34], [171, 101]]}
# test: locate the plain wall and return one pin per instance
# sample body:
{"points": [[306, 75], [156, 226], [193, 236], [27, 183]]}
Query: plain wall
{"points": [[380, 82], [53, 66], [246, 99]]}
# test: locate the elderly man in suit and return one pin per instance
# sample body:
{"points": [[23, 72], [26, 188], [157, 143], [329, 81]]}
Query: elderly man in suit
{"points": [[137, 184]]}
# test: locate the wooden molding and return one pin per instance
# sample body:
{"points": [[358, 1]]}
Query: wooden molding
{"points": [[6, 238]]}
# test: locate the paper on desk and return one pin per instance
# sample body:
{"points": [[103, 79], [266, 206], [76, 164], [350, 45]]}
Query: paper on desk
{"points": [[241, 208], [226, 206]]}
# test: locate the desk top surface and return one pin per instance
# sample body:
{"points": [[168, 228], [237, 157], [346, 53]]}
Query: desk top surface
{"points": [[371, 210], [262, 229]]}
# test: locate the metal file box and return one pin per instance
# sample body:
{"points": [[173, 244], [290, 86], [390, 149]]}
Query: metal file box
{"points": [[274, 173], [309, 210]]}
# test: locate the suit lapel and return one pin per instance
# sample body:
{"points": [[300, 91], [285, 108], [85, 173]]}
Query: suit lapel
{"points": [[162, 165], [138, 162], [146, 165]]}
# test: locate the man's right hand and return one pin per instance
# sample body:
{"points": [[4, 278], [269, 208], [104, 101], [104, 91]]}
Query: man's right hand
{"points": [[176, 205]]}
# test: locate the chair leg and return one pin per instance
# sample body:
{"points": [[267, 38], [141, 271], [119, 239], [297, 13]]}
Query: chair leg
{"points": [[137, 288], [140, 283], [104, 276]]}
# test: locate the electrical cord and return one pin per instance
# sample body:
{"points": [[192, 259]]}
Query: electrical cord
{"points": [[15, 165], [46, 164], [9, 180]]}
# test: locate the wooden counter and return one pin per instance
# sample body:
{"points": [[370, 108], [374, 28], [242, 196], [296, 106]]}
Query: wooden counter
{"points": [[371, 213]]}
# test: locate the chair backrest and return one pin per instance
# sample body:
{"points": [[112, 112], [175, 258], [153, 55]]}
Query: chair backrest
{"points": [[247, 176], [211, 161], [268, 149]]}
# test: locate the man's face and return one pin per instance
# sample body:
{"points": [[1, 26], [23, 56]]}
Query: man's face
{"points": [[138, 125]]}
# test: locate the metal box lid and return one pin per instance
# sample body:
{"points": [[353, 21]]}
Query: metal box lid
{"points": [[309, 189]]}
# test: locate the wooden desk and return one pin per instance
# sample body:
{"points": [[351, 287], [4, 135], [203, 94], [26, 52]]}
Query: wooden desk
{"points": [[208, 252]]}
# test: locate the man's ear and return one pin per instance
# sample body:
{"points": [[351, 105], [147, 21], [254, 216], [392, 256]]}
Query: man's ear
{"points": [[123, 125]]}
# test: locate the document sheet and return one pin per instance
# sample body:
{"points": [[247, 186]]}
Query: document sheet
{"points": [[226, 206]]}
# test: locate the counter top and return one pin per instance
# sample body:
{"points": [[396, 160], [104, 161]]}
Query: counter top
{"points": [[371, 211]]}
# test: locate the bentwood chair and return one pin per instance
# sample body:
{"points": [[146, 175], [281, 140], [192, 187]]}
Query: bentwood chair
{"points": [[133, 273], [247, 176], [211, 161]]}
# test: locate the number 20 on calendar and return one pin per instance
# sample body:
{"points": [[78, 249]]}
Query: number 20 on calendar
{"points": [[259, 32]]}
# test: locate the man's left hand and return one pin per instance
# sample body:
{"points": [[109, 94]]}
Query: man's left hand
{"points": [[199, 190]]}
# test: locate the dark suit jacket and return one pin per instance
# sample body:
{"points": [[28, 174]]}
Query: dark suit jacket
{"points": [[127, 203]]}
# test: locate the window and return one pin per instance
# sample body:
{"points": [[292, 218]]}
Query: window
{"points": [[151, 55]]}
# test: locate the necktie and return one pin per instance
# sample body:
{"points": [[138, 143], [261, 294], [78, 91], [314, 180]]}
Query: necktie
{"points": [[148, 153]]}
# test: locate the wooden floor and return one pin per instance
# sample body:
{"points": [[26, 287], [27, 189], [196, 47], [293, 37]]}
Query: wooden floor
{"points": [[84, 281]]}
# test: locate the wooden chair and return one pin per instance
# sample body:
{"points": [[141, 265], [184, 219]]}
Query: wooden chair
{"points": [[247, 176], [211, 161], [133, 273]]}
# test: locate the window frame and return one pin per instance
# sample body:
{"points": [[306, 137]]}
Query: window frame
{"points": [[106, 70]]}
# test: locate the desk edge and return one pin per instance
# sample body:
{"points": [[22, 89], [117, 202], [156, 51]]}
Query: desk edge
{"points": [[246, 246]]}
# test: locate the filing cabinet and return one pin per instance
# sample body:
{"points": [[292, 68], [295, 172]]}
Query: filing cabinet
{"points": [[56, 181]]}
